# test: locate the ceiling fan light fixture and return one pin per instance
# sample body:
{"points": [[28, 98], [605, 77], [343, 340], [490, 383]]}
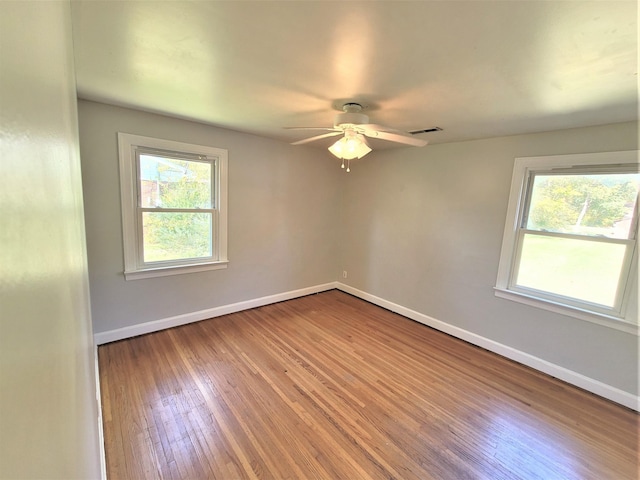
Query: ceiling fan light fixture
{"points": [[352, 127], [350, 146]]}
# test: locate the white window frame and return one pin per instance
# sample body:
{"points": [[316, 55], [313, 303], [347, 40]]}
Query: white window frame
{"points": [[514, 231], [129, 147]]}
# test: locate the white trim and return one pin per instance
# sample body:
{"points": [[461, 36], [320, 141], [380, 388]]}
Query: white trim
{"points": [[594, 386], [174, 270], [222, 206], [593, 317], [164, 323], [103, 454], [135, 268]]}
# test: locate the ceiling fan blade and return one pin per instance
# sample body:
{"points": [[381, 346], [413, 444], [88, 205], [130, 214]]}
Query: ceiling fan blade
{"points": [[312, 128], [397, 136], [379, 128], [317, 137]]}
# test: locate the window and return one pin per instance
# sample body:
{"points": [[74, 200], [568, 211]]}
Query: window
{"points": [[174, 198], [569, 243]]}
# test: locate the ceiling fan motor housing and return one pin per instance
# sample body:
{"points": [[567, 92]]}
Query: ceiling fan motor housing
{"points": [[350, 118], [351, 115]]}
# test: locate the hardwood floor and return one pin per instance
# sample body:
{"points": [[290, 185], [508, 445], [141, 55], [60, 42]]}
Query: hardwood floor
{"points": [[331, 387]]}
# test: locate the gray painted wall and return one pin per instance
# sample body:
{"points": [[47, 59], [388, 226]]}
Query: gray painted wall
{"points": [[418, 227], [422, 228], [283, 201], [48, 409]]}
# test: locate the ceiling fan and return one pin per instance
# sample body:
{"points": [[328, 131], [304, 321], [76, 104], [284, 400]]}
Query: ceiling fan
{"points": [[354, 127]]}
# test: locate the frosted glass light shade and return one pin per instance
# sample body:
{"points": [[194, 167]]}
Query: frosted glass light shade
{"points": [[350, 147]]}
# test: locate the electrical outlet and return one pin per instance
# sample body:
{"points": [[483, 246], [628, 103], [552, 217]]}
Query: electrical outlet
{"points": [[344, 274]]}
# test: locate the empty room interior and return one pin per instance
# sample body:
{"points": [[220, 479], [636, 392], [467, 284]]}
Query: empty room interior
{"points": [[319, 239]]}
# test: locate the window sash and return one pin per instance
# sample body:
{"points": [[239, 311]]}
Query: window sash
{"points": [[616, 310], [169, 155], [178, 261], [140, 234], [596, 163], [577, 171]]}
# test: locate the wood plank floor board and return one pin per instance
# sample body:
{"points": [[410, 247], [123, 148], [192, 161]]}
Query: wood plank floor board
{"points": [[331, 387]]}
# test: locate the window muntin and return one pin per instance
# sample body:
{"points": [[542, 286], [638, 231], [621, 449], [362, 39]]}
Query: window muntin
{"points": [[573, 237], [173, 206]]}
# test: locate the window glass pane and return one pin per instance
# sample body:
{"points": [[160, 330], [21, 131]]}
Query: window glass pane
{"points": [[582, 269], [172, 183], [175, 236], [585, 204]]}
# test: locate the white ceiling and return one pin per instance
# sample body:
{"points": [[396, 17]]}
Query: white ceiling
{"points": [[474, 68]]}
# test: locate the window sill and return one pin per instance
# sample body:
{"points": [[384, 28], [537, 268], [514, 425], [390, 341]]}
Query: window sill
{"points": [[598, 318], [174, 270]]}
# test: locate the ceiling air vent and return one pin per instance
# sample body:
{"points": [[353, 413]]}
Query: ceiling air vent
{"points": [[426, 130]]}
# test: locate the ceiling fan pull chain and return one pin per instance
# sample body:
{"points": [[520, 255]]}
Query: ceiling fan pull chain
{"points": [[348, 163], [342, 163]]}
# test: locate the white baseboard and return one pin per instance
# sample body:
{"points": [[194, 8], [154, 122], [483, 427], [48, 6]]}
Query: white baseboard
{"points": [[164, 323], [569, 376], [103, 455]]}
